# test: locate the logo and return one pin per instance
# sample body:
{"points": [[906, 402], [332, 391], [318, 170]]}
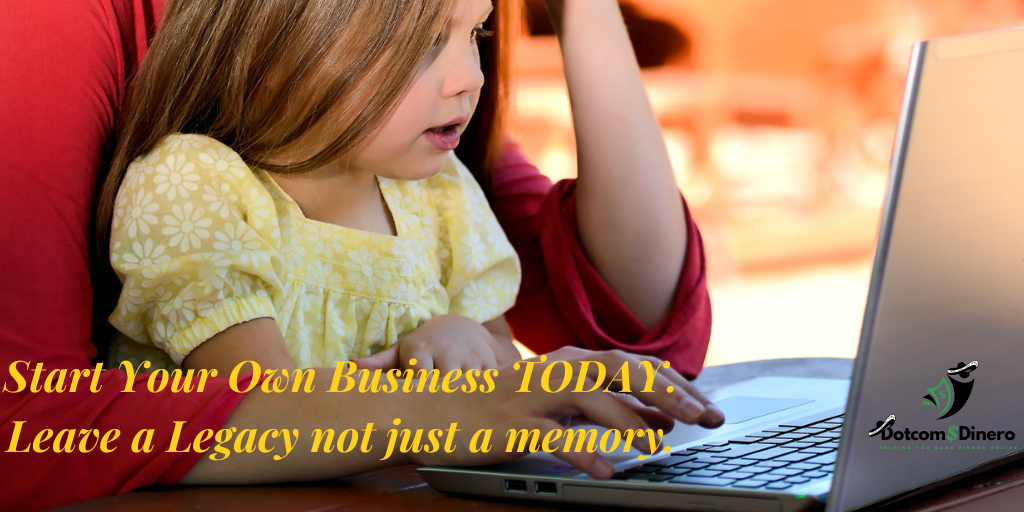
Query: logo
{"points": [[952, 394], [948, 398], [882, 425]]}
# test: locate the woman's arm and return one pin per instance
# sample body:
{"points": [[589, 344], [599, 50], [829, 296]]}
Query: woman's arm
{"points": [[501, 409], [630, 213]]}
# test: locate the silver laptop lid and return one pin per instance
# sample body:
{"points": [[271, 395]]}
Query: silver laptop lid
{"points": [[943, 334]]}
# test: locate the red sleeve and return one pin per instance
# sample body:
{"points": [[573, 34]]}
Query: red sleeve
{"points": [[563, 301], [62, 70]]}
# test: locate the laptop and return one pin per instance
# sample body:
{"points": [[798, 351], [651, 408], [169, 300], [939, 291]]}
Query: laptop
{"points": [[937, 391]]}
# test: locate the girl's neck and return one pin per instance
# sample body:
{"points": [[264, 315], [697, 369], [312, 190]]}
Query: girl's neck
{"points": [[349, 198]]}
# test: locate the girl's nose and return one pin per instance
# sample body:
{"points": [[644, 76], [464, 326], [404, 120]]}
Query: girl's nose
{"points": [[465, 76]]}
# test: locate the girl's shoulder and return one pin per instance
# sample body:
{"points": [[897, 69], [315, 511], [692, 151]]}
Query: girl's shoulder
{"points": [[193, 181], [186, 161]]}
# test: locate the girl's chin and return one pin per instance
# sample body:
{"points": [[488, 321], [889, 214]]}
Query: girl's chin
{"points": [[427, 168]]}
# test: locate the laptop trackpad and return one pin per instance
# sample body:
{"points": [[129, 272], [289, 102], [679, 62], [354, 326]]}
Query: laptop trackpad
{"points": [[738, 409]]}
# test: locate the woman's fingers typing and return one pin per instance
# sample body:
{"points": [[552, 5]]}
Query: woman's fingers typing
{"points": [[594, 464], [645, 378], [572, 385]]}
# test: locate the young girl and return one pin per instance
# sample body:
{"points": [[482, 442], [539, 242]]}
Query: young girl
{"points": [[292, 196], [63, 84]]}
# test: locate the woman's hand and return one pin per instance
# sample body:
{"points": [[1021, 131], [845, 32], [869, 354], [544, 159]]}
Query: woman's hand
{"points": [[500, 410], [449, 342], [505, 408]]}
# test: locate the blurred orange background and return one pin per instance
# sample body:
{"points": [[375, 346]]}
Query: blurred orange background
{"points": [[779, 116]]}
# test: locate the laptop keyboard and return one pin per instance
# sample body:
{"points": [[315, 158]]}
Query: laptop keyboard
{"points": [[776, 458]]}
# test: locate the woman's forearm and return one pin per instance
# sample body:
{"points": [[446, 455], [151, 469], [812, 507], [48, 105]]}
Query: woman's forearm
{"points": [[306, 412], [260, 341], [629, 209], [494, 403]]}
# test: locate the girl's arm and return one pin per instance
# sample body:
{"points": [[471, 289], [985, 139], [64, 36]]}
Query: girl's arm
{"points": [[448, 342], [258, 340], [630, 212]]}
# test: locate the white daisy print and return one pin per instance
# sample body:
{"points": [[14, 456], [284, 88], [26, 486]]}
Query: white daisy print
{"points": [[136, 174], [472, 251], [163, 334], [220, 199], [409, 260], [376, 323], [175, 177], [365, 263], [162, 272], [323, 273], [338, 326], [187, 227], [238, 239], [130, 301], [325, 240], [179, 309], [403, 291], [224, 160], [479, 301], [179, 142], [213, 274], [260, 208], [140, 213], [144, 254]]}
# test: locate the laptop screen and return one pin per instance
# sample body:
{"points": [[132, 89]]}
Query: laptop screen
{"points": [[937, 389]]}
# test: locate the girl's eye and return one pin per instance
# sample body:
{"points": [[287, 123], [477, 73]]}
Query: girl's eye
{"points": [[480, 33]]}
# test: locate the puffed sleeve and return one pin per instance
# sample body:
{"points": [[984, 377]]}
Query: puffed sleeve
{"points": [[195, 242], [479, 267], [564, 301]]}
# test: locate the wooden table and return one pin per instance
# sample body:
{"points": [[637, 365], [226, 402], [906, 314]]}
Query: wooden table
{"points": [[401, 489]]}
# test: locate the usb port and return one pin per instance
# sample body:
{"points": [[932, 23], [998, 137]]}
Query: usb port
{"points": [[545, 488], [515, 485]]}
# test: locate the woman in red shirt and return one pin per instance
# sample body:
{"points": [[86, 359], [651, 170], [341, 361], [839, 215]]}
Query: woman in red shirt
{"points": [[610, 261]]}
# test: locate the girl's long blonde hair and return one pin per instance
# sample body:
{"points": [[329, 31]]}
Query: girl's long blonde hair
{"points": [[263, 76]]}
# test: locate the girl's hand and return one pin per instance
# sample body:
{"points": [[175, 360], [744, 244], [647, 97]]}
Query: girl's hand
{"points": [[505, 408], [449, 342]]}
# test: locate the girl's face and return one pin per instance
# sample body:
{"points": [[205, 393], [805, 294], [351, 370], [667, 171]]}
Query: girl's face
{"points": [[425, 126]]}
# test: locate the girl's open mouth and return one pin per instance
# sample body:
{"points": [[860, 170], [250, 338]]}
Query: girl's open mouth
{"points": [[442, 129], [444, 138]]}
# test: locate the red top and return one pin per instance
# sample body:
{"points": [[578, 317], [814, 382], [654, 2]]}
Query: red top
{"points": [[63, 69], [563, 300]]}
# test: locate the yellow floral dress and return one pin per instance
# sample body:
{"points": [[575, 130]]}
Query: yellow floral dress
{"points": [[202, 242]]}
